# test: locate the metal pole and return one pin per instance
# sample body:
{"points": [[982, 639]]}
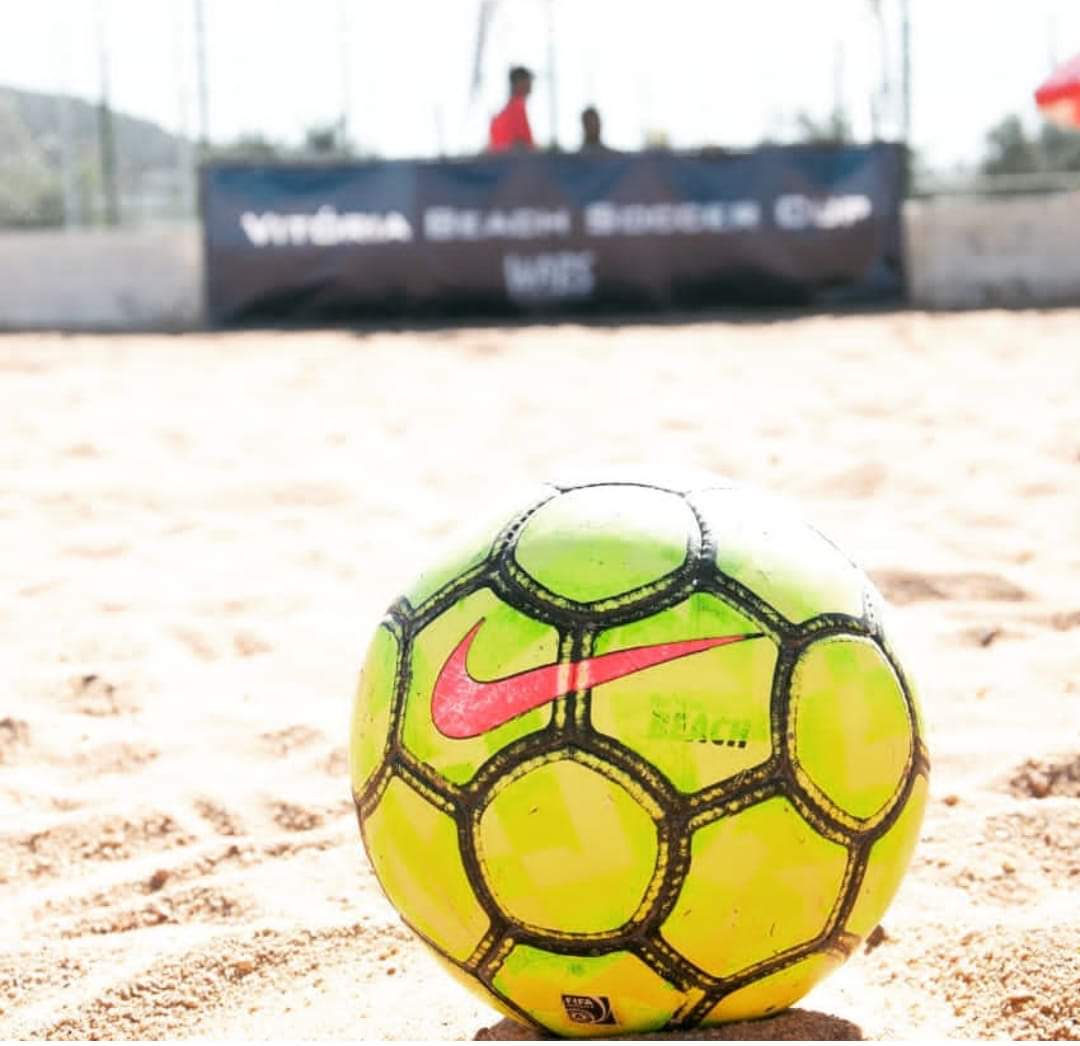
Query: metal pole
{"points": [[72, 209], [65, 125], [343, 57], [201, 78], [552, 93], [106, 139], [839, 118], [69, 178], [483, 21], [905, 72], [185, 196], [879, 96], [440, 133]]}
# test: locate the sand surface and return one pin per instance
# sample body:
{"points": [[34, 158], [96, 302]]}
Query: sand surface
{"points": [[200, 532]]}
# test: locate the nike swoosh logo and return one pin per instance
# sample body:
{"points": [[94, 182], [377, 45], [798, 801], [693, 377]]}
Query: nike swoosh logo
{"points": [[462, 706]]}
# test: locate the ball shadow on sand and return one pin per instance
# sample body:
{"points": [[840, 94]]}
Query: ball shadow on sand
{"points": [[793, 1025]]}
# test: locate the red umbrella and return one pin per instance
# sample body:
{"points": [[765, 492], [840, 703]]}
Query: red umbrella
{"points": [[1059, 97]]}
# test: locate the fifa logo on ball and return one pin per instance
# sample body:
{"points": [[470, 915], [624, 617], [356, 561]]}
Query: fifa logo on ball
{"points": [[641, 756], [588, 1009]]}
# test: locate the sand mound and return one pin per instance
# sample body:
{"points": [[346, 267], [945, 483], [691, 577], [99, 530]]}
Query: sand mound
{"points": [[1009, 982], [1042, 777]]}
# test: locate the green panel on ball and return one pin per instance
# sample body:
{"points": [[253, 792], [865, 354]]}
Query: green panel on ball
{"points": [[584, 996], [567, 850], [699, 719], [850, 723], [508, 642], [762, 545], [457, 562], [889, 858], [370, 724], [760, 882], [898, 644], [775, 992], [475, 543], [414, 850], [599, 542]]}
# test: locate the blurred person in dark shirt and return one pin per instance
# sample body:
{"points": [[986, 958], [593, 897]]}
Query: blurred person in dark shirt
{"points": [[591, 141], [510, 127]]}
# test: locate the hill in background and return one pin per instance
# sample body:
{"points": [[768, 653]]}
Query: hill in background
{"points": [[154, 172], [153, 166]]}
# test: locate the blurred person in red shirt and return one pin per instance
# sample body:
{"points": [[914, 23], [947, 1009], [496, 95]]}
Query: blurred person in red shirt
{"points": [[510, 127]]}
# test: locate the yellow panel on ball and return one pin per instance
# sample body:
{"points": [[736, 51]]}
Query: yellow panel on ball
{"points": [[406, 838], [585, 996], [768, 882], [470, 982], [699, 719], [774, 992], [852, 731], [889, 858], [370, 724], [567, 850]]}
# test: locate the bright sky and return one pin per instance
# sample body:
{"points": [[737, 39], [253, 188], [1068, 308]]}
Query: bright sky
{"points": [[724, 72]]}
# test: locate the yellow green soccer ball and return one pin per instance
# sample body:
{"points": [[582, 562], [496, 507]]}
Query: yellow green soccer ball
{"points": [[641, 757]]}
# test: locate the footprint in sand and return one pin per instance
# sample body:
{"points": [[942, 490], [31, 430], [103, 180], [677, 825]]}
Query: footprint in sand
{"points": [[1042, 840], [223, 821], [93, 695], [901, 586], [1064, 620], [116, 757], [53, 851], [196, 904], [14, 738], [289, 739], [175, 995], [196, 642], [336, 763], [295, 818]]}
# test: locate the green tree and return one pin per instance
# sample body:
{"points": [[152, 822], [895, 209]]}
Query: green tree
{"points": [[835, 129], [30, 190], [326, 140], [1010, 149], [248, 146], [1060, 148]]}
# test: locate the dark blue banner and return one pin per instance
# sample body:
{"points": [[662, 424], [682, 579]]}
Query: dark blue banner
{"points": [[528, 233]]}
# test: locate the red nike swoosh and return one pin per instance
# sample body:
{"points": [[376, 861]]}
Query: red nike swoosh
{"points": [[462, 706]]}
